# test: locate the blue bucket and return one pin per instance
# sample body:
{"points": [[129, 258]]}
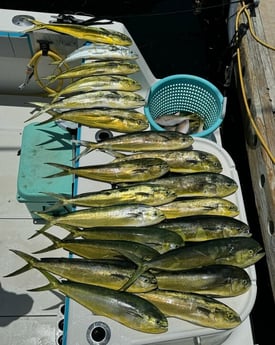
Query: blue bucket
{"points": [[184, 92]]}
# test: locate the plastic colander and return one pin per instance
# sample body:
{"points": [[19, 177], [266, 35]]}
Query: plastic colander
{"points": [[184, 92]]}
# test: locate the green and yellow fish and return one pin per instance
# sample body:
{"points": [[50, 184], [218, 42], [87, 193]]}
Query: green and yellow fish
{"points": [[87, 33]]}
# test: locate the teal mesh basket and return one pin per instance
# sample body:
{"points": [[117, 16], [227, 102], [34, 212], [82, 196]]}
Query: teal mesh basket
{"points": [[184, 92]]}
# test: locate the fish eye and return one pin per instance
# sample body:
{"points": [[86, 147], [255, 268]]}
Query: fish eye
{"points": [[230, 315]]}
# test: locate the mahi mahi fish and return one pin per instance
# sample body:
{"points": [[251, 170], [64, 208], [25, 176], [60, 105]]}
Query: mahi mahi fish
{"points": [[140, 141], [236, 251], [108, 273], [116, 215], [88, 33], [199, 206], [118, 120], [96, 68], [124, 307], [202, 228], [199, 184], [100, 249], [198, 309], [99, 82], [179, 161], [136, 170], [212, 280], [142, 193], [160, 239], [93, 99], [100, 51]]}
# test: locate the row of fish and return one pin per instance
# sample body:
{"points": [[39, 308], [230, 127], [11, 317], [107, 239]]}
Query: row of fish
{"points": [[164, 241], [101, 93], [154, 253], [179, 283]]}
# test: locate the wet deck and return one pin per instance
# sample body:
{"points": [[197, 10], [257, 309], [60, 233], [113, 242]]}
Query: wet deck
{"points": [[257, 62]]}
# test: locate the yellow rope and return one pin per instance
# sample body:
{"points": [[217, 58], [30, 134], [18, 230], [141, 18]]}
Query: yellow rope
{"points": [[243, 9], [33, 65]]}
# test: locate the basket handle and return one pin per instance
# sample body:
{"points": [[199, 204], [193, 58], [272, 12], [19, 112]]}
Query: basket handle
{"points": [[224, 104]]}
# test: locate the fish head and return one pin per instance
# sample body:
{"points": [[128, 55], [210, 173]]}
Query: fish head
{"points": [[225, 318], [155, 323], [210, 162], [239, 286], [147, 281], [244, 251]]}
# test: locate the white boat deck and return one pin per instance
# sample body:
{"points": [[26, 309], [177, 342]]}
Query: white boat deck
{"points": [[31, 318]]}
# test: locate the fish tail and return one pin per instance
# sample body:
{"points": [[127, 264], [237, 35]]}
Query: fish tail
{"points": [[28, 258], [38, 25], [89, 147], [54, 116], [56, 243], [49, 223], [67, 170], [50, 78], [74, 231], [62, 201], [85, 143], [141, 268], [113, 153], [40, 107], [53, 282]]}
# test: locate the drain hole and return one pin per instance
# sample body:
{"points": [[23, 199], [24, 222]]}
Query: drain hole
{"points": [[98, 333], [61, 324], [103, 134]]}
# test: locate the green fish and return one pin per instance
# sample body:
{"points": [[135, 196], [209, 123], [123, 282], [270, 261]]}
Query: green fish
{"points": [[99, 82], [93, 99], [202, 228], [199, 206], [236, 251], [142, 193], [98, 68], [160, 239], [140, 141], [198, 184], [124, 307], [116, 215], [108, 273], [87, 33], [136, 170], [179, 161], [118, 120], [100, 249], [198, 309], [212, 280]]}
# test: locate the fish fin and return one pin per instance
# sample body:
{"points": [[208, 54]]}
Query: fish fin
{"points": [[82, 154], [85, 143], [74, 231], [40, 106], [141, 268], [30, 260], [67, 170], [56, 243], [50, 221], [61, 201], [89, 148], [113, 153], [53, 282], [37, 25]]}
